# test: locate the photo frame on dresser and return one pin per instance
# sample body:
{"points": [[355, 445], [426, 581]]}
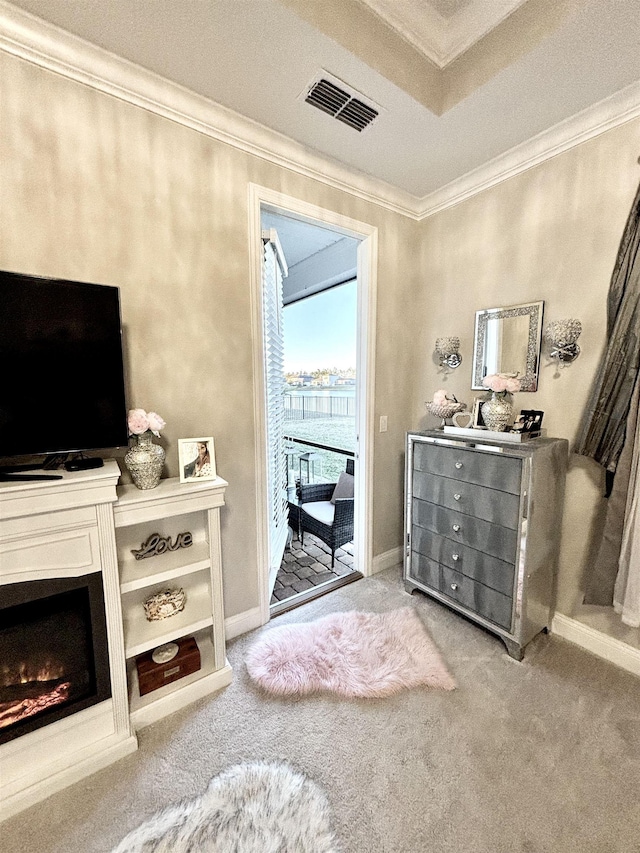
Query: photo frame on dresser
{"points": [[478, 421], [196, 458]]}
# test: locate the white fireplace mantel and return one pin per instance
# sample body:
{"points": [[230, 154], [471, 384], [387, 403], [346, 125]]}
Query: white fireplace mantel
{"points": [[65, 528]]}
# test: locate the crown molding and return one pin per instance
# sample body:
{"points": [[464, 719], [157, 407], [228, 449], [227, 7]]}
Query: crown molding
{"points": [[50, 47], [438, 38], [471, 25], [424, 28], [607, 114]]}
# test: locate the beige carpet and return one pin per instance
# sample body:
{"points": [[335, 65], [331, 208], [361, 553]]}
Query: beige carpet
{"points": [[541, 756]]}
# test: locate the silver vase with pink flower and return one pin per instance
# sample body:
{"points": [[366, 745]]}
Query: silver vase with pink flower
{"points": [[497, 412], [144, 459]]}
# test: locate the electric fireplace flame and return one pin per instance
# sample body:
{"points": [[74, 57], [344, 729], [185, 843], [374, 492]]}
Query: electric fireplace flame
{"points": [[43, 667], [48, 672], [15, 712], [53, 656], [26, 690]]}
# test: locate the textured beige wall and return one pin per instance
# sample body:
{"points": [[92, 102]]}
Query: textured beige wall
{"points": [[98, 190], [94, 189], [551, 233]]}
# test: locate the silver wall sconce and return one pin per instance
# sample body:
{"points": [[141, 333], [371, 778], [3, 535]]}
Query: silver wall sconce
{"points": [[447, 349], [561, 337]]}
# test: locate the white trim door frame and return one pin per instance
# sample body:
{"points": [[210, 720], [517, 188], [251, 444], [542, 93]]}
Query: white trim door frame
{"points": [[263, 198]]}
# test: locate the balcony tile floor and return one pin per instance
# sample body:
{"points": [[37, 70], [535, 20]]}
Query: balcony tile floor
{"points": [[304, 568]]}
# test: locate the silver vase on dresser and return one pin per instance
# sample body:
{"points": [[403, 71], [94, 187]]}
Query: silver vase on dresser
{"points": [[482, 529], [497, 413]]}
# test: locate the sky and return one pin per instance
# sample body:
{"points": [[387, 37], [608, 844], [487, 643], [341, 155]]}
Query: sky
{"points": [[321, 331]]}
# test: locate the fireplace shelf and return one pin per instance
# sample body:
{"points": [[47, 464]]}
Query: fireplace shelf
{"points": [[192, 687], [137, 574], [171, 510], [142, 635]]}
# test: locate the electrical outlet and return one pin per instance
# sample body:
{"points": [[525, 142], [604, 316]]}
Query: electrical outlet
{"points": [[383, 423]]}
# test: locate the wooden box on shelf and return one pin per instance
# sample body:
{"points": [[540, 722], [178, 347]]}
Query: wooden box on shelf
{"points": [[152, 675]]}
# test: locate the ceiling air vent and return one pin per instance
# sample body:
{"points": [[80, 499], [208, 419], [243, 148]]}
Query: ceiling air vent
{"points": [[343, 105]]}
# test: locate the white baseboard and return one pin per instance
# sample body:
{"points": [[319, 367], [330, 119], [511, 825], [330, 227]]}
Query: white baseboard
{"points": [[597, 643], [386, 560], [110, 752], [166, 705], [234, 626]]}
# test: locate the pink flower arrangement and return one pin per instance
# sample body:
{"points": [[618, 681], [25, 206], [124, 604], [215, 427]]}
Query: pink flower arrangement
{"points": [[140, 421], [502, 383]]}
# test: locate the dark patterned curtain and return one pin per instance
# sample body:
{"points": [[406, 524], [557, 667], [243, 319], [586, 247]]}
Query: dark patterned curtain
{"points": [[604, 569], [609, 423], [603, 428]]}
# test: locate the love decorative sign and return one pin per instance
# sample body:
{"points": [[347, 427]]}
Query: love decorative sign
{"points": [[157, 544]]}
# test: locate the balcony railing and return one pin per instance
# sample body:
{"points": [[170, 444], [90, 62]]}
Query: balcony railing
{"points": [[331, 463], [300, 408]]}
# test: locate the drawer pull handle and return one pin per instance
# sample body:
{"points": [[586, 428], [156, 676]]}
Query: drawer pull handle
{"points": [[455, 557], [457, 497], [454, 586], [456, 528], [458, 465]]}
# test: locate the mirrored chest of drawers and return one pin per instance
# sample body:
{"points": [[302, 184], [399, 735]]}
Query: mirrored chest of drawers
{"points": [[482, 529]]}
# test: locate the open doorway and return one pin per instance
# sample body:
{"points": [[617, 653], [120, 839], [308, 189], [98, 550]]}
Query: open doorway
{"points": [[316, 351], [281, 221]]}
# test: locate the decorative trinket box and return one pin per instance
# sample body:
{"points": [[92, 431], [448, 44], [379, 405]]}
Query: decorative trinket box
{"points": [[163, 604], [153, 675]]}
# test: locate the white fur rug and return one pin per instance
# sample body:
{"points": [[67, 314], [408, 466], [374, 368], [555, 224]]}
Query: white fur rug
{"points": [[352, 654], [251, 808]]}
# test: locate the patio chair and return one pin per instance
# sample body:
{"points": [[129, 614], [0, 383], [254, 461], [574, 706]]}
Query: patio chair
{"points": [[326, 511]]}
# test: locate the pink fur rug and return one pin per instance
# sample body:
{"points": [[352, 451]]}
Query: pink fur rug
{"points": [[351, 654]]}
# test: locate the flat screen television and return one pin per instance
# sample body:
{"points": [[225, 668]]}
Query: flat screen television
{"points": [[61, 367]]}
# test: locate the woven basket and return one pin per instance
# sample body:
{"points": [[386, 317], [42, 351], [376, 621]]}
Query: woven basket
{"points": [[163, 604]]}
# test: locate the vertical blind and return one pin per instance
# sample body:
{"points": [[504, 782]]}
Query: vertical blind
{"points": [[273, 269]]}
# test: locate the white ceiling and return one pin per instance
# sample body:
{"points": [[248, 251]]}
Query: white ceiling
{"points": [[299, 239], [544, 62], [317, 257]]}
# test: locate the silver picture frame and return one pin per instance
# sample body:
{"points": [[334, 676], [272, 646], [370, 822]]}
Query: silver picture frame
{"points": [[476, 412]]}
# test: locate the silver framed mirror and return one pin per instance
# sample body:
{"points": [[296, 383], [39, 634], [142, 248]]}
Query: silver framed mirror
{"points": [[507, 340]]}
